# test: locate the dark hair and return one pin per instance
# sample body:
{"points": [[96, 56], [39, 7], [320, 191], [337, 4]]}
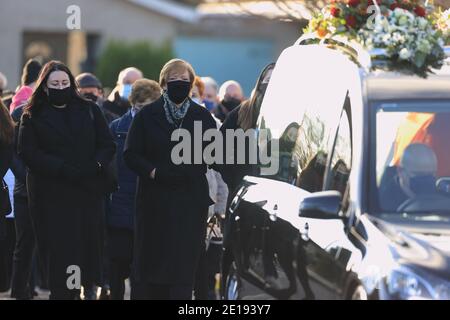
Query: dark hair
{"points": [[88, 80], [39, 97], [6, 125], [30, 72], [249, 109]]}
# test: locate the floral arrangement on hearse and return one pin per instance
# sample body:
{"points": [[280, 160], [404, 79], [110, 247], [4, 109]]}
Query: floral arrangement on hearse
{"points": [[411, 33]]}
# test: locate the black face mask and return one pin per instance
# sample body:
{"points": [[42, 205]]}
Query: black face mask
{"points": [[231, 103], [178, 90], [59, 97], [90, 96]]}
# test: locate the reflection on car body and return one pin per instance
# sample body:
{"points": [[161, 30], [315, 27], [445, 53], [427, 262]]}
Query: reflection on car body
{"points": [[323, 227]]}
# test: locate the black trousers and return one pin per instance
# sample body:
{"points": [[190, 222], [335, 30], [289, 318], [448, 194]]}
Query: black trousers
{"points": [[23, 251], [64, 294], [119, 272], [120, 248], [149, 291], [205, 277], [7, 242]]}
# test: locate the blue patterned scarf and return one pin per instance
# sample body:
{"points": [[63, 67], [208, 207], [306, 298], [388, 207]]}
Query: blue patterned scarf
{"points": [[175, 114]]}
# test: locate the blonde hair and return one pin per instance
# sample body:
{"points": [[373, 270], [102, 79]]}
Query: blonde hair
{"points": [[177, 65], [143, 90], [198, 82]]}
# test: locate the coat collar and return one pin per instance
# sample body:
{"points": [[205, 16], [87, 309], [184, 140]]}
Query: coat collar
{"points": [[124, 122]]}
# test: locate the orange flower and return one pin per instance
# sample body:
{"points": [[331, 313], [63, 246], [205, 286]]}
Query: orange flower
{"points": [[322, 32]]}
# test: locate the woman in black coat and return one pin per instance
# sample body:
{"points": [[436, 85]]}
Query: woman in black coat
{"points": [[66, 145], [244, 117], [172, 200], [6, 232]]}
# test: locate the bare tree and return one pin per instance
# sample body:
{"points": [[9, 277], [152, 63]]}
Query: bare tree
{"points": [[286, 9]]}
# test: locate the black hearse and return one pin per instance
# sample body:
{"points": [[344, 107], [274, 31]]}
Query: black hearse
{"points": [[359, 204]]}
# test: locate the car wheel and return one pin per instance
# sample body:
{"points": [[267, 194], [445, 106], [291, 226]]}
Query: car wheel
{"points": [[232, 284], [359, 293]]}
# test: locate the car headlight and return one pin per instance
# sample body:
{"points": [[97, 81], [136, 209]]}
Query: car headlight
{"points": [[404, 283]]}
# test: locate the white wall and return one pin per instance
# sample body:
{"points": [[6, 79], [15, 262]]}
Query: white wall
{"points": [[117, 19]]}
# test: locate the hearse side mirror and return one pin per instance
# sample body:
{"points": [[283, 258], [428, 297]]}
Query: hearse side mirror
{"points": [[321, 205]]}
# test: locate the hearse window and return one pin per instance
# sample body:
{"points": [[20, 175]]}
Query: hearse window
{"points": [[341, 159], [300, 113], [310, 151], [412, 157]]}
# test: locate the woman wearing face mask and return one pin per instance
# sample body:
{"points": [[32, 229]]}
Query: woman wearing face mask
{"points": [[120, 216], [172, 199], [244, 117], [66, 146]]}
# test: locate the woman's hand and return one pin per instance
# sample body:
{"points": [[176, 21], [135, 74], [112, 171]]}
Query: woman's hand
{"points": [[152, 174]]}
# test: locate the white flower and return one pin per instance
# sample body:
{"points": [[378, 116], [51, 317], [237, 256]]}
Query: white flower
{"points": [[398, 12], [387, 39], [379, 25], [403, 35], [403, 20], [404, 54], [422, 23], [398, 37], [424, 46], [410, 16]]}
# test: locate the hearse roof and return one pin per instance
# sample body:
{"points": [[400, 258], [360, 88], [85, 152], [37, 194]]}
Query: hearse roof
{"points": [[382, 85]]}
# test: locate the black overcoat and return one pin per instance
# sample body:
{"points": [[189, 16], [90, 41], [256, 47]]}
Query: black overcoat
{"points": [[170, 220], [66, 215]]}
